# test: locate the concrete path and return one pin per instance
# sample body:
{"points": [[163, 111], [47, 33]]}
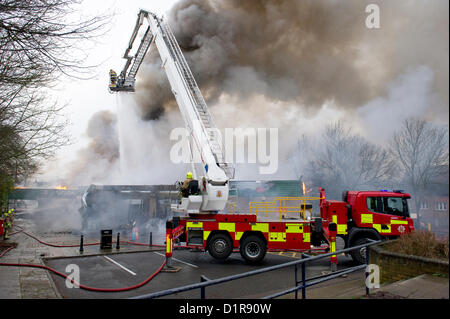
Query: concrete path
{"points": [[349, 287], [420, 287], [18, 283], [21, 282], [33, 283], [353, 287]]}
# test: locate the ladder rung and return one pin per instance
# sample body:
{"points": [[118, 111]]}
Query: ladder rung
{"points": [[191, 84]]}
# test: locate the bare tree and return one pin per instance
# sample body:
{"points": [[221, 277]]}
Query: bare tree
{"points": [[38, 44], [344, 160], [30, 130], [421, 150]]}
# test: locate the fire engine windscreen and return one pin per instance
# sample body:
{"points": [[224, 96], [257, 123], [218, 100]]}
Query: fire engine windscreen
{"points": [[388, 205]]}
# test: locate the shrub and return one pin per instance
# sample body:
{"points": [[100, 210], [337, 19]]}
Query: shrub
{"points": [[421, 243]]}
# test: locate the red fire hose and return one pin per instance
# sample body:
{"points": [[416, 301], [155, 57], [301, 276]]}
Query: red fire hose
{"points": [[80, 285], [68, 246], [72, 281]]}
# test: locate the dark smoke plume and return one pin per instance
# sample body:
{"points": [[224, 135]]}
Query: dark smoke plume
{"points": [[272, 63], [307, 52], [97, 162]]}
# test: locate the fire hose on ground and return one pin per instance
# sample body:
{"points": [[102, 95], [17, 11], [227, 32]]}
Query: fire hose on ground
{"points": [[147, 280], [69, 246]]}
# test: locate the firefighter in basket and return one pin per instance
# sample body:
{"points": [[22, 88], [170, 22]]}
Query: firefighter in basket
{"points": [[112, 78], [189, 186]]}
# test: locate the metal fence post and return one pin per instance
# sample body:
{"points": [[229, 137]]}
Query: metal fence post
{"points": [[303, 278], [367, 270], [203, 289], [151, 239], [296, 281]]}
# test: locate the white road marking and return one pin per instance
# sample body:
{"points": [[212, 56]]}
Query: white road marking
{"points": [[183, 262], [117, 264]]}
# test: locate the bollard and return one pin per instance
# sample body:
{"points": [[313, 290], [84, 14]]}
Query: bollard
{"points": [[332, 227], [81, 245], [367, 271], [151, 239], [169, 236], [169, 247], [118, 241]]}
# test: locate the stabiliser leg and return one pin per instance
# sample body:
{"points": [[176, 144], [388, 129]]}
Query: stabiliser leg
{"points": [[169, 248]]}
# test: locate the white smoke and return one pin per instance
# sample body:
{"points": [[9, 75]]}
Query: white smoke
{"points": [[293, 65], [407, 96], [145, 147]]}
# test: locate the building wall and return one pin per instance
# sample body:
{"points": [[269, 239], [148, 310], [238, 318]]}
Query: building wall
{"points": [[433, 214], [395, 267]]}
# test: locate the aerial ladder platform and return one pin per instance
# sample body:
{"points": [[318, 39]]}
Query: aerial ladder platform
{"points": [[207, 156]]}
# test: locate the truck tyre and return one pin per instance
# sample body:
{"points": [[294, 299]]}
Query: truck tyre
{"points": [[220, 246], [359, 255], [253, 249]]}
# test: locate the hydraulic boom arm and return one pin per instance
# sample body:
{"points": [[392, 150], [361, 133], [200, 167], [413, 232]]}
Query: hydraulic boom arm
{"points": [[204, 137], [126, 79]]}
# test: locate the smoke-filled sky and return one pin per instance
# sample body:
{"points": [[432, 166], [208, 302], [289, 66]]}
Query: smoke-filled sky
{"points": [[295, 65], [306, 53]]}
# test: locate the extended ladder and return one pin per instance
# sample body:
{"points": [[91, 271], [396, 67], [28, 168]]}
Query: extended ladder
{"points": [[126, 82], [201, 108]]}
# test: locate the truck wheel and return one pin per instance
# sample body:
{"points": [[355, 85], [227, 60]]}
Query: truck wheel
{"points": [[359, 255], [220, 246], [253, 249]]}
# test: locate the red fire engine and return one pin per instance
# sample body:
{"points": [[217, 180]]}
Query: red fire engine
{"points": [[361, 215]]}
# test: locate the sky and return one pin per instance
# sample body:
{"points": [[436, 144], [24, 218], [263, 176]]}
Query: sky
{"points": [[399, 66], [84, 98]]}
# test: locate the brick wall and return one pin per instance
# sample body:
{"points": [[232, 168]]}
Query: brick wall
{"points": [[394, 266]]}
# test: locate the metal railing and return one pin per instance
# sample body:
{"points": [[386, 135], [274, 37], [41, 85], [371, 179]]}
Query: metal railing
{"points": [[305, 282], [232, 208], [283, 206]]}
